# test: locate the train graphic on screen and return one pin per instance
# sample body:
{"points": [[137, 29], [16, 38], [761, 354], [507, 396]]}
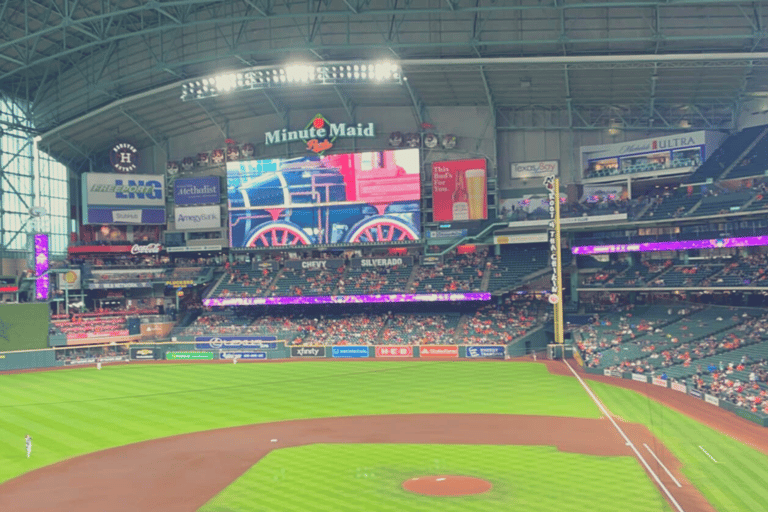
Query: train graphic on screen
{"points": [[333, 199]]}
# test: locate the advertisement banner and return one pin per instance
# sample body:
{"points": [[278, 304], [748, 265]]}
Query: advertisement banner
{"points": [[679, 387], [394, 351], [189, 356], [525, 238], [343, 198], [71, 280], [94, 360], [459, 190], [639, 377], [123, 215], [535, 169], [432, 260], [392, 261], [486, 351], [438, 351], [658, 381], [314, 264], [446, 233], [349, 299], [143, 353], [349, 351], [307, 351], [140, 190], [42, 283], [242, 355], [694, 392], [681, 245], [192, 191], [219, 342], [197, 217], [118, 285], [711, 399]]}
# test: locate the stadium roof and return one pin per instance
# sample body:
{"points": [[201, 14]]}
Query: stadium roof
{"points": [[94, 70]]}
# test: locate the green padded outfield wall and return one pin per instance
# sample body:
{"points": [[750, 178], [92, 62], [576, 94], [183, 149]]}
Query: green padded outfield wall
{"points": [[23, 326]]}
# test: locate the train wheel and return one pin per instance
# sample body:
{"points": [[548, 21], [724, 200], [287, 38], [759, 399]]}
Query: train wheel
{"points": [[276, 234], [382, 229]]}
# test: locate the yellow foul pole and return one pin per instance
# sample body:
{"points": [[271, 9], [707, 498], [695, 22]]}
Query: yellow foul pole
{"points": [[552, 183]]}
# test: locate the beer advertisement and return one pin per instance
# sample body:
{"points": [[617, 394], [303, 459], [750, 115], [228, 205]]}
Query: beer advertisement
{"points": [[459, 190]]}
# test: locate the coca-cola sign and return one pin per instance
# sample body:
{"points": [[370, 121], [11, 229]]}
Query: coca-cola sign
{"points": [[146, 249]]}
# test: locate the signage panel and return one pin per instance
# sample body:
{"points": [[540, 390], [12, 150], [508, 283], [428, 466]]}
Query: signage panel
{"points": [[193, 191], [307, 351], [639, 377], [143, 353], [197, 217], [459, 190], [228, 342], [189, 356], [242, 355], [438, 351], [121, 190], [535, 169], [486, 351], [123, 215], [345, 198], [391, 261], [71, 280], [394, 351], [349, 351], [348, 299]]}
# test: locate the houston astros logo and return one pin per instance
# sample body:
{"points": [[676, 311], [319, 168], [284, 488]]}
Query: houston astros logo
{"points": [[124, 157]]}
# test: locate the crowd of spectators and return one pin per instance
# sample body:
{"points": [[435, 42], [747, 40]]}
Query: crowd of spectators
{"points": [[493, 324]]}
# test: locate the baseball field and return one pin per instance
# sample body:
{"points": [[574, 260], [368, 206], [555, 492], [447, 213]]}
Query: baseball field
{"points": [[352, 435]]}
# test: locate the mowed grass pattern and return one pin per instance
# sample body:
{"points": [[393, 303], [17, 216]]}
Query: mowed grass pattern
{"points": [[77, 411], [738, 482], [355, 477]]}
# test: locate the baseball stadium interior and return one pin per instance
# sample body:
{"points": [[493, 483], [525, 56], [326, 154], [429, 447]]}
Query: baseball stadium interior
{"points": [[342, 178]]}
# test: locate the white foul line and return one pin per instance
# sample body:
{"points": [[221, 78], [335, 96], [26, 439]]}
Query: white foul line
{"points": [[662, 465], [629, 443], [708, 455]]}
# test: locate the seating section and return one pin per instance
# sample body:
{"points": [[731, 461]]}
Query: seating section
{"points": [[723, 203], [681, 276], [461, 273], [306, 282], [494, 324], [755, 163], [82, 328], [370, 281], [670, 207], [243, 281], [725, 155], [420, 329], [508, 269]]}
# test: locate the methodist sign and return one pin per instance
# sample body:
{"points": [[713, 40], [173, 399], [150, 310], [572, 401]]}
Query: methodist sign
{"points": [[192, 191], [320, 134]]}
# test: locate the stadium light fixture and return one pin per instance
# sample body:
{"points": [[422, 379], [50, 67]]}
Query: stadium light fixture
{"points": [[269, 77]]}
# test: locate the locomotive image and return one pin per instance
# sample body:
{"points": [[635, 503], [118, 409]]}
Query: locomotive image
{"points": [[344, 198]]}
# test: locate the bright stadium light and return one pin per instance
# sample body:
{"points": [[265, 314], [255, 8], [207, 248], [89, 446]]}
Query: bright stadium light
{"points": [[292, 75]]}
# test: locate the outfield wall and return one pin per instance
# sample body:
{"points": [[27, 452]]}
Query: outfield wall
{"points": [[755, 417], [24, 326]]}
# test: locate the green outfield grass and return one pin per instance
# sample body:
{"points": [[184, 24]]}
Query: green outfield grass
{"points": [[736, 483], [338, 477], [77, 411]]}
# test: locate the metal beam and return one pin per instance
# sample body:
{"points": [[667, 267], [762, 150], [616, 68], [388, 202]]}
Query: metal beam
{"points": [[141, 127], [210, 116]]}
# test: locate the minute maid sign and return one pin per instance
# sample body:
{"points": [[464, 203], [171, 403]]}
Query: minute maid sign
{"points": [[320, 134]]}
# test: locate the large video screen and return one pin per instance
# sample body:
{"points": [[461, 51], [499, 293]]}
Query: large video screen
{"points": [[334, 199]]}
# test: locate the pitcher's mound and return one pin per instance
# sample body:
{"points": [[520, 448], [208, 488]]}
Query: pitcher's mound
{"points": [[447, 485]]}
